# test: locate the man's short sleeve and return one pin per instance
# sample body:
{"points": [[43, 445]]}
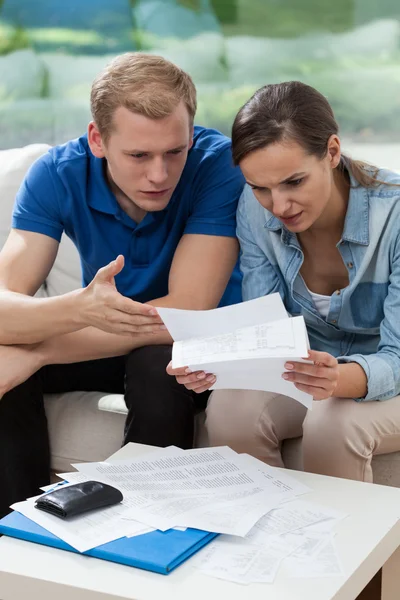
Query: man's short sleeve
{"points": [[36, 206], [216, 195]]}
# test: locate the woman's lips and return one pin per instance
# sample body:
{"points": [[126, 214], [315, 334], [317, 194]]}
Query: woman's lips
{"points": [[291, 220]]}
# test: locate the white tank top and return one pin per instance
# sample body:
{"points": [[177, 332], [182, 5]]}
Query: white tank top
{"points": [[321, 303]]}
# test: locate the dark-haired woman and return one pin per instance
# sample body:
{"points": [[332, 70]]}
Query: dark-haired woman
{"points": [[323, 230]]}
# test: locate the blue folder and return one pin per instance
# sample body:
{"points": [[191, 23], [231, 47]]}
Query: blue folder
{"points": [[157, 551]]}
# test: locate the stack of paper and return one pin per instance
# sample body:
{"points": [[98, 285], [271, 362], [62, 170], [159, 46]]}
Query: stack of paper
{"points": [[256, 508], [245, 345]]}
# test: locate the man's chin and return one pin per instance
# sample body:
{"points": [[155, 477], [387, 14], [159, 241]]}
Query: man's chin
{"points": [[153, 204]]}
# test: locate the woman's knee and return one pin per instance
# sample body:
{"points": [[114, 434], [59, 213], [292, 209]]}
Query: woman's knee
{"points": [[331, 422], [241, 420], [335, 442]]}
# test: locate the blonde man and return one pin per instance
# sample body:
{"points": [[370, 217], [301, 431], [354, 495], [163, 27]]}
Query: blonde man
{"points": [[149, 201]]}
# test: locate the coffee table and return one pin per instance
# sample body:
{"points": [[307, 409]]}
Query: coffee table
{"points": [[367, 540]]}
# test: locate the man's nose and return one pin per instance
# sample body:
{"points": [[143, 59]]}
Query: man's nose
{"points": [[157, 172]]}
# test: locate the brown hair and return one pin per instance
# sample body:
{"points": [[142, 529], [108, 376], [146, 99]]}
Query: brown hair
{"points": [[143, 83], [292, 111]]}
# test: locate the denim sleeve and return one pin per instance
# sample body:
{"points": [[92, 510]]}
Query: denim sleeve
{"points": [[383, 368], [259, 276]]}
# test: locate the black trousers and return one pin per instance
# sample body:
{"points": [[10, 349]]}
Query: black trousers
{"points": [[160, 412]]}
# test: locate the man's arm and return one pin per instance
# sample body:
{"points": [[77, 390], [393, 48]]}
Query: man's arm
{"points": [[199, 274], [25, 261]]}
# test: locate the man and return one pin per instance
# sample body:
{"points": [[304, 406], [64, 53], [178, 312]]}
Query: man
{"points": [[150, 204]]}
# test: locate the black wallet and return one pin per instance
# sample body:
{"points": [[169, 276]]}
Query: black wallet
{"points": [[78, 498]]}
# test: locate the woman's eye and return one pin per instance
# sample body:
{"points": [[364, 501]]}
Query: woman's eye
{"points": [[295, 182], [259, 189]]}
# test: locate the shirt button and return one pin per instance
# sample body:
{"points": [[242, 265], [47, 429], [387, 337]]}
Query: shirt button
{"points": [[350, 265], [333, 321], [337, 292]]}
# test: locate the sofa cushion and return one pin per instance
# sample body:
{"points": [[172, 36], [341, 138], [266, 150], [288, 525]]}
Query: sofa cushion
{"points": [[66, 272], [79, 432], [14, 164]]}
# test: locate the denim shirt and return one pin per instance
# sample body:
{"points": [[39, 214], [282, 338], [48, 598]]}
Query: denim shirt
{"points": [[363, 323]]}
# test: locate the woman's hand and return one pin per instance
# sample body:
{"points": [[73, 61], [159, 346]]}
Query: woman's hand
{"points": [[197, 381], [319, 379]]}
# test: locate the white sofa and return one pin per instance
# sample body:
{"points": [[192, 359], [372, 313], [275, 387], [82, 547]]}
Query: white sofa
{"points": [[88, 426]]}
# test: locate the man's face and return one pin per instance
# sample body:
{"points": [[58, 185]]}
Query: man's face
{"points": [[146, 157]]}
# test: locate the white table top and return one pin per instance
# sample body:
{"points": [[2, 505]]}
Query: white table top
{"points": [[365, 540]]}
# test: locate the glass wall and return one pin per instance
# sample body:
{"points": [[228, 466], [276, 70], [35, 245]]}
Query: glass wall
{"points": [[50, 51]]}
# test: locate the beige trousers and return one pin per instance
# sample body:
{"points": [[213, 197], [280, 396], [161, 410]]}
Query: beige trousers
{"points": [[340, 436]]}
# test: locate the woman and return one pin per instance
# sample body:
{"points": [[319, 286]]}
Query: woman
{"points": [[323, 230]]}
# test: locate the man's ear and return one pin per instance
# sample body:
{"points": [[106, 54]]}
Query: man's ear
{"points": [[191, 136], [95, 141]]}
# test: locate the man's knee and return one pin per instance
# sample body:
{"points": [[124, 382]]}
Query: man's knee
{"points": [[149, 359], [22, 403], [149, 390]]}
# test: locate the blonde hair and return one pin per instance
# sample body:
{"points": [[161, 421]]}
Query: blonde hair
{"points": [[143, 83]]}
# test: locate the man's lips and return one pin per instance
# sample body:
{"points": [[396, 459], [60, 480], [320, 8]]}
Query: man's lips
{"points": [[155, 192]]}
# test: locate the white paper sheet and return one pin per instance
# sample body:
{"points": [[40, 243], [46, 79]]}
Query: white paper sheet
{"points": [[326, 563], [73, 477], [291, 516], [206, 489], [277, 479], [200, 471], [231, 516], [186, 324], [239, 561], [85, 531], [245, 345], [232, 513]]}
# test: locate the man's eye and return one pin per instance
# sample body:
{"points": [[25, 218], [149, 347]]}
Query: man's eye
{"points": [[295, 182], [175, 152], [139, 155]]}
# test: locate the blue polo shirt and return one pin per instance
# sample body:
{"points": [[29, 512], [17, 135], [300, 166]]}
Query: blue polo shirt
{"points": [[66, 191]]}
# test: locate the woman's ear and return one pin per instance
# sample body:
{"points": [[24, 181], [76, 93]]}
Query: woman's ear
{"points": [[334, 151]]}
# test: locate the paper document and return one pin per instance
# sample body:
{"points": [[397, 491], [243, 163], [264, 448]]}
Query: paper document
{"points": [[285, 536], [209, 488], [85, 531], [276, 477], [291, 516], [245, 345], [325, 563], [187, 324]]}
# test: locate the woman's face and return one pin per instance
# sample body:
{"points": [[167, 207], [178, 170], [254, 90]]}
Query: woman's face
{"points": [[294, 186]]}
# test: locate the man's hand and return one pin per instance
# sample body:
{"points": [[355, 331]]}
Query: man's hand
{"points": [[17, 364], [197, 381], [319, 379], [102, 306]]}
